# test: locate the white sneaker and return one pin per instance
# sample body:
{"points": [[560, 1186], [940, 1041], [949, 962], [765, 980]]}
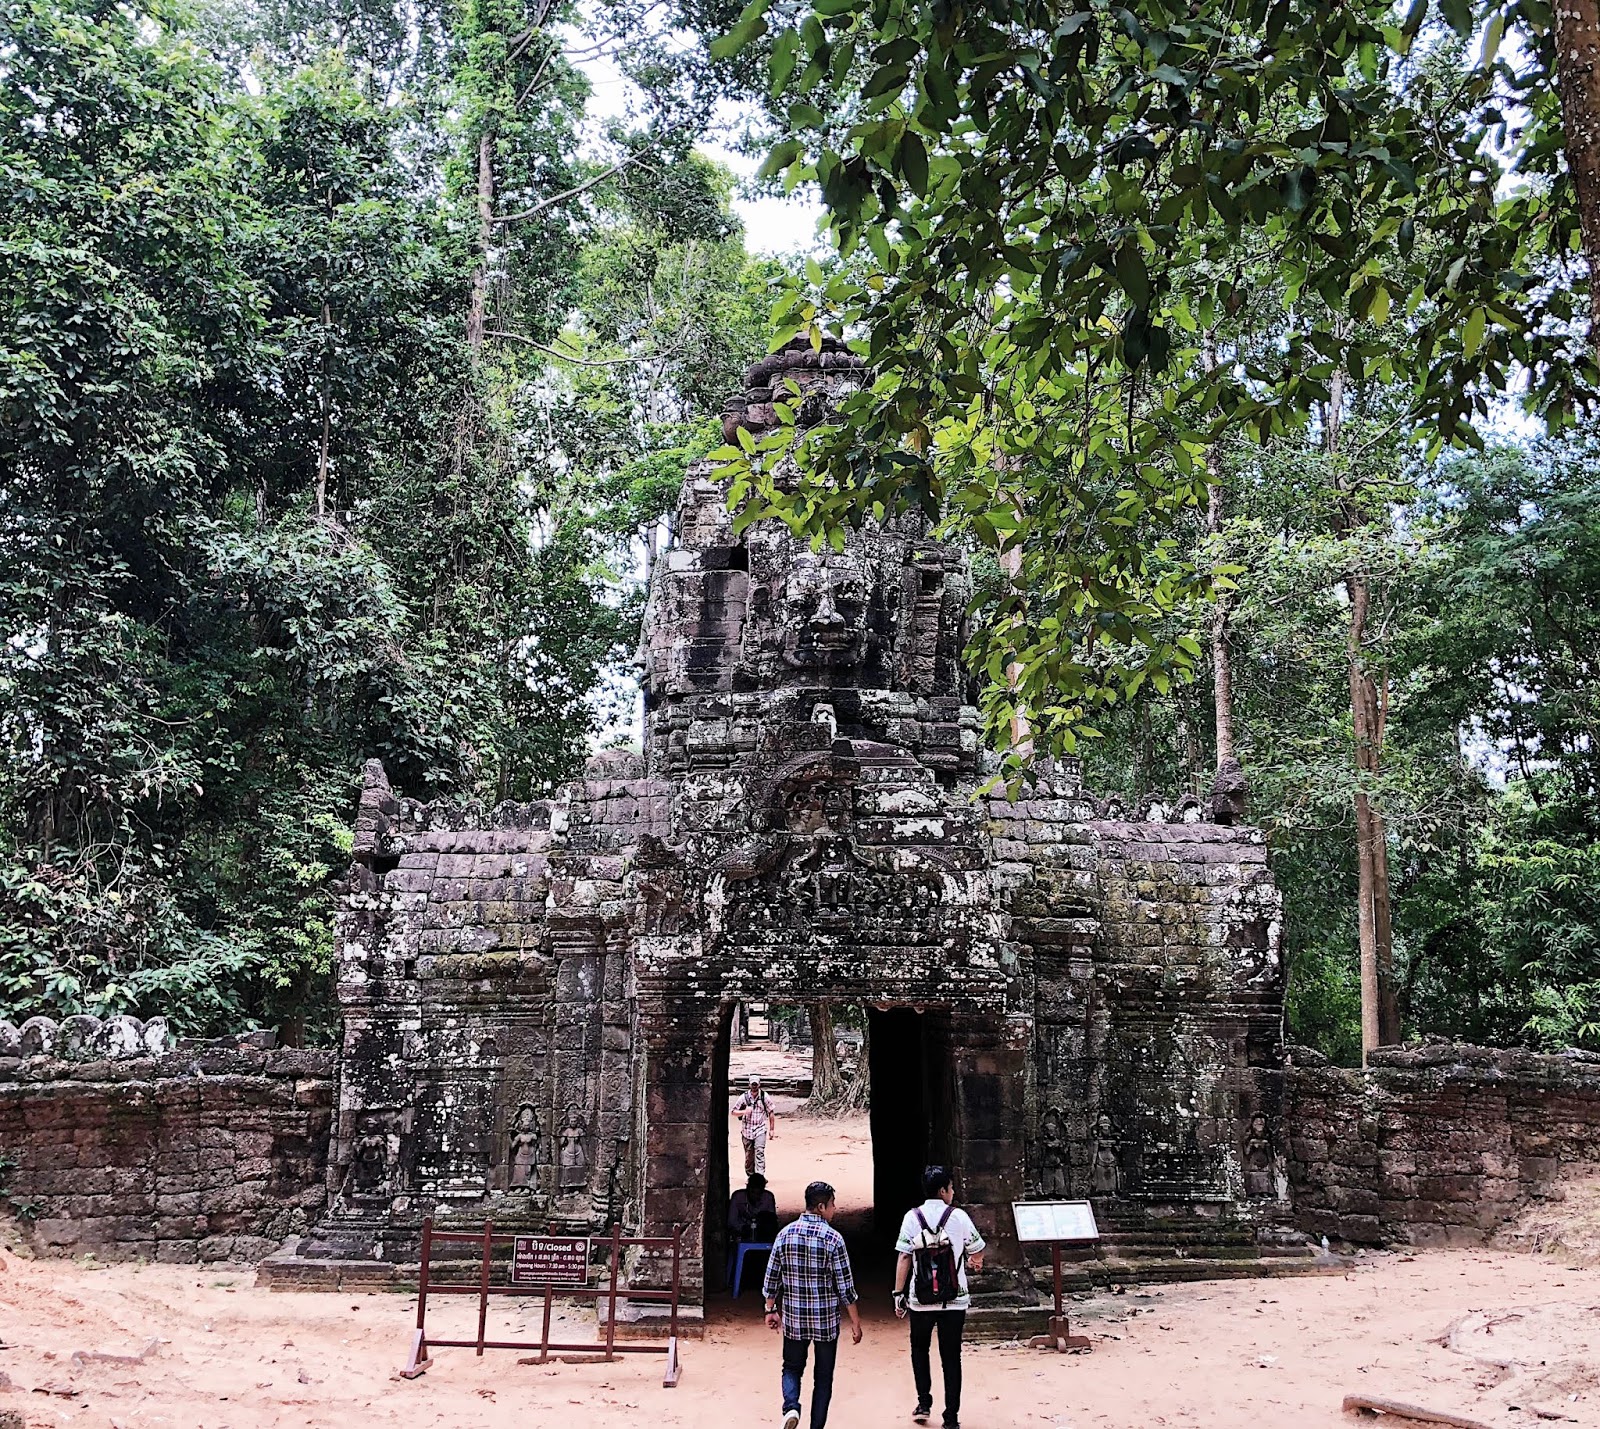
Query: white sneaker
{"points": [[791, 1419]]}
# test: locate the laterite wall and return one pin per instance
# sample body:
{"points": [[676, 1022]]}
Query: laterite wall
{"points": [[221, 1154], [200, 1155], [1435, 1145]]}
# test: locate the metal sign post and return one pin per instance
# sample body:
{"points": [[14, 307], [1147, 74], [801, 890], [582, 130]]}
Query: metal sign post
{"points": [[1056, 1223]]}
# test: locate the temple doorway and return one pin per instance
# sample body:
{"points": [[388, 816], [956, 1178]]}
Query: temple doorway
{"points": [[871, 1146]]}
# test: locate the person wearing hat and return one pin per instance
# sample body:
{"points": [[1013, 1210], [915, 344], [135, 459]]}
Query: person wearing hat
{"points": [[754, 1110], [753, 1213]]}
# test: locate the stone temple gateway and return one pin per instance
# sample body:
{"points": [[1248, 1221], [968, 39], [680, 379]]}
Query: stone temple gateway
{"points": [[1068, 998]]}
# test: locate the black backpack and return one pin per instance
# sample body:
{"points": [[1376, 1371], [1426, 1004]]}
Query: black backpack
{"points": [[938, 1279]]}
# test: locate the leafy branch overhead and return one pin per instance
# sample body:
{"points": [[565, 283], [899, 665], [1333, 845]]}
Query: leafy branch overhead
{"points": [[1079, 244]]}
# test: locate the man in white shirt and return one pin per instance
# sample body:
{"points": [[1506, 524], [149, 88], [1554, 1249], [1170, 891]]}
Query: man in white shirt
{"points": [[935, 1237]]}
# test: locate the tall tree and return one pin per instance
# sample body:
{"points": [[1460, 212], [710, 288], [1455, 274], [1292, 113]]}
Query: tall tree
{"points": [[1369, 708], [129, 326], [248, 546]]}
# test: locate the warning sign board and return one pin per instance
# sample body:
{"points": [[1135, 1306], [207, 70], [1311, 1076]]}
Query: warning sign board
{"points": [[550, 1260]]}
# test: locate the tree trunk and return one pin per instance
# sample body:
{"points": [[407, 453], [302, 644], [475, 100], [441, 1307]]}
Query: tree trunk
{"points": [[1194, 755], [1577, 46], [1021, 722], [327, 417], [1229, 792], [1380, 1021], [1221, 620], [858, 1097], [478, 300], [826, 1084], [477, 318], [1379, 1009]]}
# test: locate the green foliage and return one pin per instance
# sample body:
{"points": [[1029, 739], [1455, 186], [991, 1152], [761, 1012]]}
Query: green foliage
{"points": [[128, 326], [1503, 930], [1053, 213], [266, 518], [270, 512], [669, 313], [1089, 251], [1484, 587]]}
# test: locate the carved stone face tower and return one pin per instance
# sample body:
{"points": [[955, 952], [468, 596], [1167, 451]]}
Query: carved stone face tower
{"points": [[748, 637], [1063, 1001]]}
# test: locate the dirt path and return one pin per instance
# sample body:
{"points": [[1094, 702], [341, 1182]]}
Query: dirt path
{"points": [[837, 1150], [1261, 1353], [1256, 1353]]}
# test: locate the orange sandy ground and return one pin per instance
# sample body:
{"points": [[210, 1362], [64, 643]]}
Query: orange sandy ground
{"points": [[1260, 1353]]}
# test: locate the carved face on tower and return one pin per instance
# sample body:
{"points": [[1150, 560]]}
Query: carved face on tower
{"points": [[824, 611], [862, 642]]}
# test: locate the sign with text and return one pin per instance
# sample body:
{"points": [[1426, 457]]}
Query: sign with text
{"points": [[1054, 1221], [550, 1260]]}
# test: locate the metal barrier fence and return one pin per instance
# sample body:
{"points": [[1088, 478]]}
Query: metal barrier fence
{"points": [[542, 1262]]}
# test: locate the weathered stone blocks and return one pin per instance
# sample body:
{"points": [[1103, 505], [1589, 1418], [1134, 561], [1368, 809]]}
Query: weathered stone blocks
{"points": [[160, 1160], [1437, 1145]]}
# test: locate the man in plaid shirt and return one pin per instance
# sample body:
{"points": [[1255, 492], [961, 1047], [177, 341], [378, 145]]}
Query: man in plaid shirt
{"points": [[808, 1276]]}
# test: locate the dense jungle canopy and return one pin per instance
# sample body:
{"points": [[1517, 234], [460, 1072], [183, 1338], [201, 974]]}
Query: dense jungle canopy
{"points": [[351, 356]]}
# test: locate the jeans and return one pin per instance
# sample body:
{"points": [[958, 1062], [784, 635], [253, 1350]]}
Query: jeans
{"points": [[794, 1364], [949, 1324]]}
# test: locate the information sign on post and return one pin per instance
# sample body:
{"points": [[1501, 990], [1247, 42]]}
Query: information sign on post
{"points": [[1056, 1223], [550, 1260], [1045, 1221]]}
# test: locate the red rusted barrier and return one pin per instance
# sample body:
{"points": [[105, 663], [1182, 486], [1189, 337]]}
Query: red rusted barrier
{"points": [[527, 1251]]}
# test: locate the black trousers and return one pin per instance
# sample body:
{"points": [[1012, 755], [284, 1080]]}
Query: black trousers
{"points": [[949, 1324], [794, 1365]]}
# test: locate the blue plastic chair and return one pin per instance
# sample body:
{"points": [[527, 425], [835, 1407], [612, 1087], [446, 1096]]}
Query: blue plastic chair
{"points": [[736, 1259]]}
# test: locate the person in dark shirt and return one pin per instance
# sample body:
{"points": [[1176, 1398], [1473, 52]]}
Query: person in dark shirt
{"points": [[753, 1212]]}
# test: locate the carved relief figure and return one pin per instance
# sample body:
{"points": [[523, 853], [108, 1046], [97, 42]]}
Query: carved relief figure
{"points": [[574, 1156], [832, 882], [1258, 1160], [1105, 1166], [658, 886], [368, 1175], [805, 809], [1052, 1155], [524, 1147]]}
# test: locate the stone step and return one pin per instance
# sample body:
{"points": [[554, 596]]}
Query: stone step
{"points": [[1004, 1319], [1001, 1318], [1174, 1236]]}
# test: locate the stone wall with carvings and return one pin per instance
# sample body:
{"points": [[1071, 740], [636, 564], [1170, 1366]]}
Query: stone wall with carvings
{"points": [[489, 1031], [222, 1153], [194, 1155], [1435, 1145], [1158, 1011]]}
